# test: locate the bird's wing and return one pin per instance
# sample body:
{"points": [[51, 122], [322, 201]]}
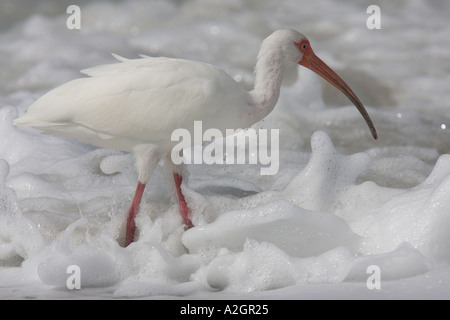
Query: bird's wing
{"points": [[136, 100]]}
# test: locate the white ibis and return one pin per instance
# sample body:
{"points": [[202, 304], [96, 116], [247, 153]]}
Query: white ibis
{"points": [[135, 105]]}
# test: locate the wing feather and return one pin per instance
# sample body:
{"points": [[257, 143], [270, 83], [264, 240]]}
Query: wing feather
{"points": [[135, 100]]}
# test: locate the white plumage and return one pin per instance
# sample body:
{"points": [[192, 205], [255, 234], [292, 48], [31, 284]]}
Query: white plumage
{"points": [[137, 102]]}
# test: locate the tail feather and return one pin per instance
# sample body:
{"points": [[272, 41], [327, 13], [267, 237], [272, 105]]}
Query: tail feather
{"points": [[26, 120]]}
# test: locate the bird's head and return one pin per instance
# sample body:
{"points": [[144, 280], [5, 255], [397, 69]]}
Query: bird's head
{"points": [[297, 50]]}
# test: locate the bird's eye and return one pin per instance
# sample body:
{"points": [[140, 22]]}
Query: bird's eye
{"points": [[302, 45]]}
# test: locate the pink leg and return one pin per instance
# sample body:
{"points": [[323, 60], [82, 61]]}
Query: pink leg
{"points": [[184, 209], [132, 212]]}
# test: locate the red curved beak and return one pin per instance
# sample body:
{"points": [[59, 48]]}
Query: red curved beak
{"points": [[314, 63]]}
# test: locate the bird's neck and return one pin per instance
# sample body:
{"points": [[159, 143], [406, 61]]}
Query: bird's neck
{"points": [[268, 78]]}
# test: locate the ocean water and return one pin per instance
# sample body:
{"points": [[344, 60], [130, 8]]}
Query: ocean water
{"points": [[345, 216]]}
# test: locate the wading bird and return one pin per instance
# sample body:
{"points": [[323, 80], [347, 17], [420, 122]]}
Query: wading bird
{"points": [[135, 105]]}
